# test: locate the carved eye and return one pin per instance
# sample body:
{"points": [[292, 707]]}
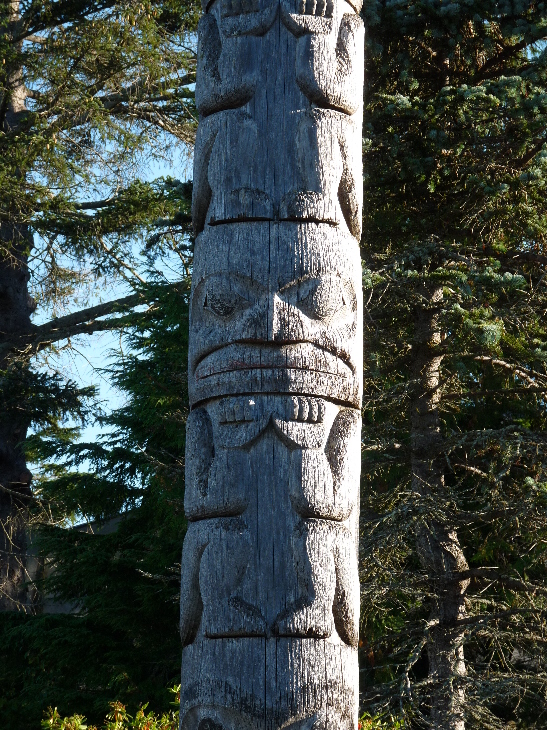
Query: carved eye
{"points": [[222, 299], [323, 298]]}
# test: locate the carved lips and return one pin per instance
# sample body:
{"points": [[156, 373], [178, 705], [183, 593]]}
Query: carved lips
{"points": [[300, 367]]}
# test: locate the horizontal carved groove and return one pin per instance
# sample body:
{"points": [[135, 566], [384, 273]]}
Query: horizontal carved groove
{"points": [[265, 367], [273, 219], [237, 219], [244, 393]]}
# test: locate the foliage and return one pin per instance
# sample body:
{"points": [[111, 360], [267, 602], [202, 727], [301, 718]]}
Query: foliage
{"points": [[117, 719], [123, 583], [93, 94], [455, 230], [367, 722], [106, 91]]}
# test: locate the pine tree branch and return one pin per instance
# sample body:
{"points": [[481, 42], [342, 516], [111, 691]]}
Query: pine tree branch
{"points": [[491, 574], [507, 392], [488, 617], [529, 156], [529, 377], [81, 322], [35, 39], [507, 53], [96, 204]]}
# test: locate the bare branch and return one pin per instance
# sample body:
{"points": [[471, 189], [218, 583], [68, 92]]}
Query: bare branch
{"points": [[529, 377]]}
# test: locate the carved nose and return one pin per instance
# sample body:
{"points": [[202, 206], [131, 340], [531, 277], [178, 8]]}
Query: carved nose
{"points": [[274, 318]]}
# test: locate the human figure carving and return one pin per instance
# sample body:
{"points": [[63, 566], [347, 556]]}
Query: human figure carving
{"points": [[329, 39]]}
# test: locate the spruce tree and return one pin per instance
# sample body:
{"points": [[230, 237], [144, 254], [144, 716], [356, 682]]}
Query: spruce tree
{"points": [[87, 91], [120, 639], [453, 534]]}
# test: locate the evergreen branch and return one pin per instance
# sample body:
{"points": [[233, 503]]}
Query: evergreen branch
{"points": [[83, 321], [96, 204], [507, 53], [111, 100], [64, 11], [32, 38], [127, 99], [18, 495], [492, 574], [473, 470], [493, 391], [527, 257], [527, 376], [123, 264], [488, 617], [529, 156]]}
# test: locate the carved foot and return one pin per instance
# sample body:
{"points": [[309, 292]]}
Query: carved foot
{"points": [[306, 622], [236, 618], [245, 204]]}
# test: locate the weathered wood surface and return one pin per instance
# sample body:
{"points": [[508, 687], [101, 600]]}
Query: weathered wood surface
{"points": [[270, 590]]}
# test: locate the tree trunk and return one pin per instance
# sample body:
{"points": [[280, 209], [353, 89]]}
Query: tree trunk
{"points": [[16, 306], [270, 592], [438, 546]]}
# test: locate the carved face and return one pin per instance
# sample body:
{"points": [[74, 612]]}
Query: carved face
{"points": [[275, 308]]}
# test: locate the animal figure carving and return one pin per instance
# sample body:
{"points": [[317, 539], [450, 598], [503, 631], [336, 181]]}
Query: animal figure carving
{"points": [[314, 127], [220, 572]]}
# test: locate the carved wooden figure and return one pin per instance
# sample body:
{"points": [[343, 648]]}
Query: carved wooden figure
{"points": [[270, 590]]}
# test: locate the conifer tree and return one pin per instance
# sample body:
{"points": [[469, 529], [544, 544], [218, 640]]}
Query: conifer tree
{"points": [[454, 529], [120, 641], [86, 90]]}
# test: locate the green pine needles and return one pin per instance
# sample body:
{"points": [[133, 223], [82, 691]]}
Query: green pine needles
{"points": [[455, 465]]}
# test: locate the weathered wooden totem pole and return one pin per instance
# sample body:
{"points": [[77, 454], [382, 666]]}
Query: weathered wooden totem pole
{"points": [[270, 590]]}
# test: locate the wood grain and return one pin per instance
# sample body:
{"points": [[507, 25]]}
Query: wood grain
{"points": [[270, 590]]}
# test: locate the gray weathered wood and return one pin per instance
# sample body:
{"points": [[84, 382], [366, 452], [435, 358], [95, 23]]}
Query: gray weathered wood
{"points": [[270, 590]]}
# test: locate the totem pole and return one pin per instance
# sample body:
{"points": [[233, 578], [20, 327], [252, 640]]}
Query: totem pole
{"points": [[270, 590]]}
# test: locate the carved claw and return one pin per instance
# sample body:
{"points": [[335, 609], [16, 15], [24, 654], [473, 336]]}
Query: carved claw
{"points": [[316, 7], [244, 18], [303, 22], [311, 410]]}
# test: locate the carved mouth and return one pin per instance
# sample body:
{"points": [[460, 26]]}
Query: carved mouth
{"points": [[238, 357]]}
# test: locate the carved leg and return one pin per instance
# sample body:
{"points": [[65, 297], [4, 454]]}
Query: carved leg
{"points": [[201, 192], [350, 189], [223, 566], [218, 88], [232, 174], [311, 614], [326, 564], [347, 597], [215, 557], [343, 50], [311, 486], [191, 605], [199, 457], [320, 170]]}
